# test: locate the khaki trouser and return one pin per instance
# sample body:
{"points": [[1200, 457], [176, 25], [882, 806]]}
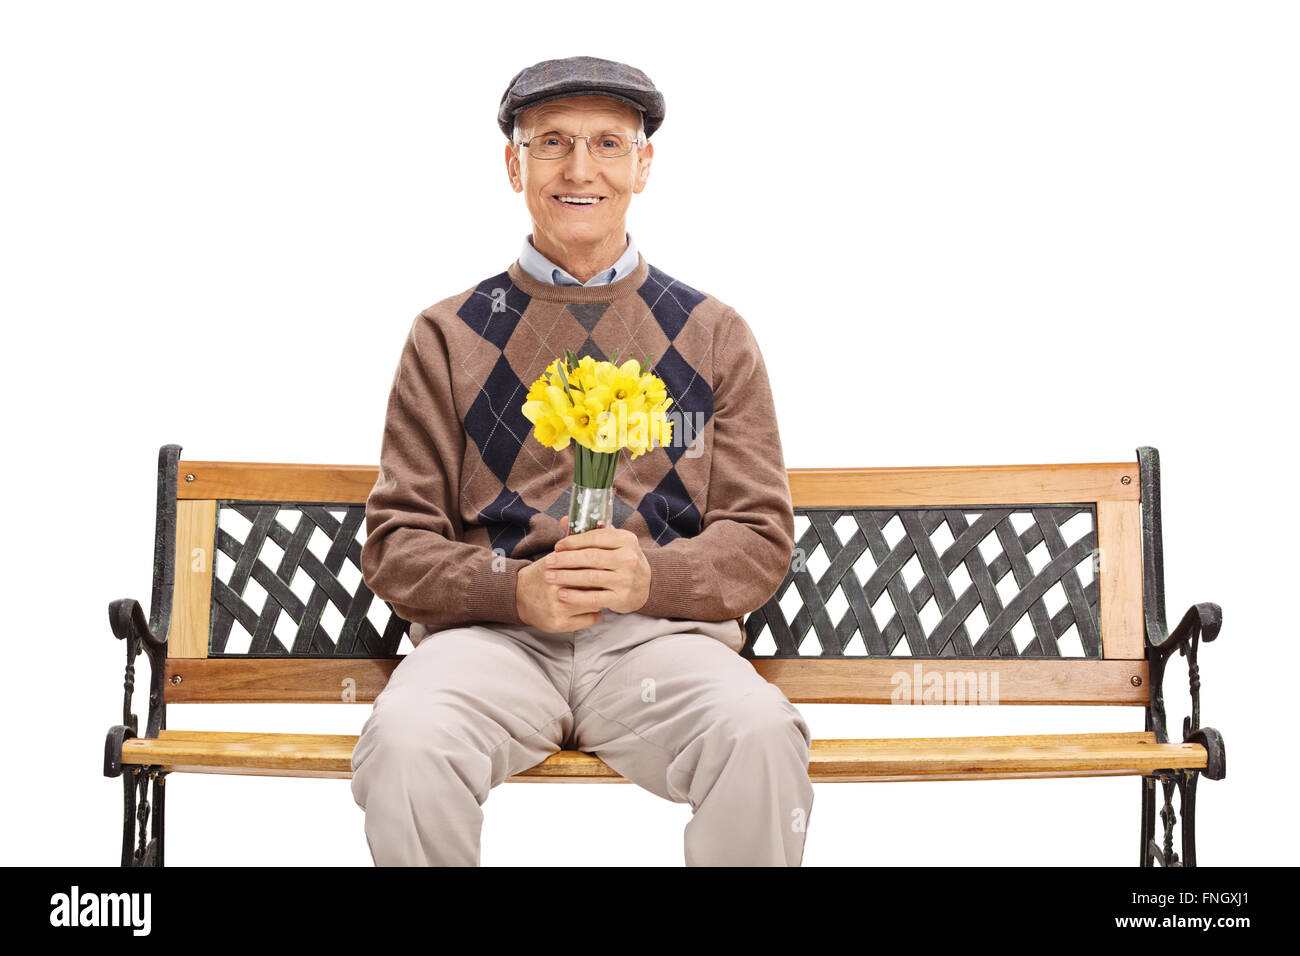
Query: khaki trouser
{"points": [[669, 704]]}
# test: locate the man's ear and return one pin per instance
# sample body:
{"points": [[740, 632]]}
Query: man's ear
{"points": [[512, 168], [647, 155]]}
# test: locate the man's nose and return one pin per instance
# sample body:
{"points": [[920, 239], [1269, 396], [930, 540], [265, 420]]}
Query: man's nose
{"points": [[580, 164]]}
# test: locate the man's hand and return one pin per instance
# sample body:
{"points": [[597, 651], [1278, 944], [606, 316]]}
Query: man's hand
{"points": [[601, 568], [566, 589], [539, 603], [597, 569]]}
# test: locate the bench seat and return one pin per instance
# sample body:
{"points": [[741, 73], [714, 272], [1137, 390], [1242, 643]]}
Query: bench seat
{"points": [[849, 761]]}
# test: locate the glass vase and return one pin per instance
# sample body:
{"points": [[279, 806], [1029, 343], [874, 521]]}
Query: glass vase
{"points": [[590, 508]]}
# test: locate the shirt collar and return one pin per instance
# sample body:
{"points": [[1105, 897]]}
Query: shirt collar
{"points": [[544, 270]]}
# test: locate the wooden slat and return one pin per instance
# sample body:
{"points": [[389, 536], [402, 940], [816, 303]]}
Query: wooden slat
{"points": [[196, 523], [1119, 538], [280, 755], [963, 485], [941, 758], [1018, 680], [286, 680], [270, 481], [825, 487], [975, 758], [810, 681], [887, 759]]}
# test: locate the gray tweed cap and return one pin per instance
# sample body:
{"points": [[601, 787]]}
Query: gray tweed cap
{"points": [[579, 76]]}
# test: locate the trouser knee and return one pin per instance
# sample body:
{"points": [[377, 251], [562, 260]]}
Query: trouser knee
{"points": [[409, 758], [764, 722]]}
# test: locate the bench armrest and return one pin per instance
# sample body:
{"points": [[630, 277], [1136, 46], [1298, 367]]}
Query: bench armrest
{"points": [[127, 619], [1201, 622]]}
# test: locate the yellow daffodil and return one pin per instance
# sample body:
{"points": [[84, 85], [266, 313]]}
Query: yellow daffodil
{"points": [[661, 427], [552, 432], [583, 420], [537, 391], [586, 374]]}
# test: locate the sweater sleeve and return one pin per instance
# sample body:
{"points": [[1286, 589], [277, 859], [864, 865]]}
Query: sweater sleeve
{"points": [[412, 556], [741, 555]]}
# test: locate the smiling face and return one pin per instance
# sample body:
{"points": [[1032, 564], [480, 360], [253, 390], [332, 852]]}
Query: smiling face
{"points": [[579, 203]]}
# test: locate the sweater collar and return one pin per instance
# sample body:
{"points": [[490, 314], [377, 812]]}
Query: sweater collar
{"points": [[532, 287], [544, 270]]}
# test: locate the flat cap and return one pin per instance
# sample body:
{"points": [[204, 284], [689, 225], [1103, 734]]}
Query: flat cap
{"points": [[580, 76]]}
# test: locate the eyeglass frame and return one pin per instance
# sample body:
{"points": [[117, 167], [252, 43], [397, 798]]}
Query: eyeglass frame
{"points": [[637, 143]]}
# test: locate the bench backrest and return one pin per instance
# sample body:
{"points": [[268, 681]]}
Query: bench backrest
{"points": [[916, 585]]}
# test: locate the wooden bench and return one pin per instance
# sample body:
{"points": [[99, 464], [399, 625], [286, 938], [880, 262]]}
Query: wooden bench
{"points": [[1011, 584]]}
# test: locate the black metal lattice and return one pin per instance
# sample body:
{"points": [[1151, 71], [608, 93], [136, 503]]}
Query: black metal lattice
{"points": [[785, 621], [843, 582], [323, 577]]}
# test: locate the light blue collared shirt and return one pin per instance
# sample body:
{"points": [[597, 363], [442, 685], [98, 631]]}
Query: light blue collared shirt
{"points": [[544, 270]]}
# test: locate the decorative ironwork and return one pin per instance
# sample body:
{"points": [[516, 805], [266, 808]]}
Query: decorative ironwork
{"points": [[128, 623], [1201, 622], [287, 599], [953, 582], [1162, 852]]}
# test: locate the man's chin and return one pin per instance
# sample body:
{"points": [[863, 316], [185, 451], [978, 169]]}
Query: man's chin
{"points": [[580, 238]]}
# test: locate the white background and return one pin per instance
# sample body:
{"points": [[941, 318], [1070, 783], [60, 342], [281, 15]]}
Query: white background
{"points": [[964, 233]]}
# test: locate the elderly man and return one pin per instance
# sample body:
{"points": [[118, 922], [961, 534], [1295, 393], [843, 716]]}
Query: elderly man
{"points": [[623, 641]]}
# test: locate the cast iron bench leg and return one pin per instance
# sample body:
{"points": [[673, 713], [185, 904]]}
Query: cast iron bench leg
{"points": [[1154, 853], [141, 816]]}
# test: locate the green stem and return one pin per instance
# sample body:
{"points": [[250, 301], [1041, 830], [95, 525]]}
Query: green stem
{"points": [[594, 469]]}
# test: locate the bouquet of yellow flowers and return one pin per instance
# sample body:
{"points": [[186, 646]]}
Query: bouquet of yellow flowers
{"points": [[604, 407]]}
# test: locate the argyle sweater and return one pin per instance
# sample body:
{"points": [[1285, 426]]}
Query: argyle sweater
{"points": [[466, 496]]}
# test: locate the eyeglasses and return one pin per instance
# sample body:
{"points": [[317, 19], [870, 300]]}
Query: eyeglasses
{"points": [[558, 145]]}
